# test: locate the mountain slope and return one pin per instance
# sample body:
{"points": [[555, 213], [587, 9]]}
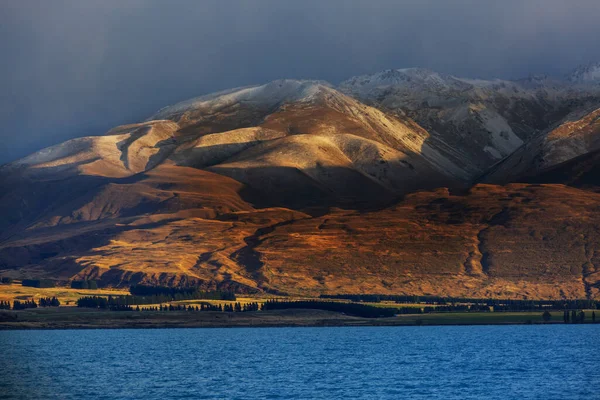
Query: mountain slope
{"points": [[575, 136], [472, 123], [307, 136], [585, 74], [492, 241], [298, 187], [121, 152]]}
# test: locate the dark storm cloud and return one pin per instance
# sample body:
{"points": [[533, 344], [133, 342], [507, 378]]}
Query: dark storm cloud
{"points": [[75, 68]]}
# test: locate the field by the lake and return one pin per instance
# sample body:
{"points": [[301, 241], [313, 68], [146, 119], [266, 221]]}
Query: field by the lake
{"points": [[74, 317], [190, 313], [67, 296]]}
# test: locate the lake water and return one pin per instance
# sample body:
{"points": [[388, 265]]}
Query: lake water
{"points": [[463, 362]]}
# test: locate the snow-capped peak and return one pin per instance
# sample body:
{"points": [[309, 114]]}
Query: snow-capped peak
{"points": [[585, 73], [400, 77], [267, 95]]}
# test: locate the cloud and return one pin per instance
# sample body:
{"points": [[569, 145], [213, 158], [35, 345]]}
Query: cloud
{"points": [[74, 68]]}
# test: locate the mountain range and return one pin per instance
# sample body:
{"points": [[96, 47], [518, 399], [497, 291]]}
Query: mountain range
{"points": [[405, 181]]}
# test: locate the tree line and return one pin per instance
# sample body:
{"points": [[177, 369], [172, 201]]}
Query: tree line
{"points": [[359, 310], [22, 305], [498, 304], [116, 304], [236, 307], [183, 293], [574, 317], [49, 302], [105, 303]]}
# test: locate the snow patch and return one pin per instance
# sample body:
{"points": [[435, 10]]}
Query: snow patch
{"points": [[268, 95], [502, 137]]}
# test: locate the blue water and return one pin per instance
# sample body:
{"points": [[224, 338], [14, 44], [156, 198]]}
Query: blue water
{"points": [[466, 362]]}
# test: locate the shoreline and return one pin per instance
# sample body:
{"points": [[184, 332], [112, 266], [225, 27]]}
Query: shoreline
{"points": [[76, 318]]}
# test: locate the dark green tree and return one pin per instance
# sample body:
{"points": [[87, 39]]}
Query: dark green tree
{"points": [[546, 316]]}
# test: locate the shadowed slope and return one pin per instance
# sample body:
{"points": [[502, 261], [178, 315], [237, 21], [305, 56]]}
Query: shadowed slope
{"points": [[577, 135]]}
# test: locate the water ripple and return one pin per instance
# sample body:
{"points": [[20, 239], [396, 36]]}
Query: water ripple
{"points": [[476, 362]]}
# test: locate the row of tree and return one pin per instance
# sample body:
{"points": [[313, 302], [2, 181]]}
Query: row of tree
{"points": [[5, 280], [498, 304], [112, 303], [108, 302], [181, 293], [237, 307], [22, 305], [49, 302], [105, 303], [575, 317], [360, 310]]}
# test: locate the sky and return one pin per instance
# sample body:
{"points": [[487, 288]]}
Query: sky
{"points": [[78, 68]]}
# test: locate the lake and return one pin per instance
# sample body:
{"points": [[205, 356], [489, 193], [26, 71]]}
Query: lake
{"points": [[454, 362]]}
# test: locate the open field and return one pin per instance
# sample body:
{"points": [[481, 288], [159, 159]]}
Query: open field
{"points": [[69, 316], [79, 318], [66, 296]]}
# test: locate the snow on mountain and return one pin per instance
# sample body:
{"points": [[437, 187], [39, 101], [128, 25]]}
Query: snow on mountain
{"points": [[175, 200], [585, 74], [576, 135], [472, 122], [123, 151], [265, 96], [408, 78], [443, 126]]}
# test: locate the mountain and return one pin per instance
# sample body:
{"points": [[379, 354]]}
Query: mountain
{"points": [[585, 74], [473, 123], [581, 172], [300, 187], [576, 135]]}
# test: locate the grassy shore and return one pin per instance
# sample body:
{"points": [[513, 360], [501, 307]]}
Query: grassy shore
{"points": [[80, 318], [68, 316]]}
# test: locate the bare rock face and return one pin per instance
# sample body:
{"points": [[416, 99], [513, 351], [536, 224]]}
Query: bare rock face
{"points": [[301, 188]]}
